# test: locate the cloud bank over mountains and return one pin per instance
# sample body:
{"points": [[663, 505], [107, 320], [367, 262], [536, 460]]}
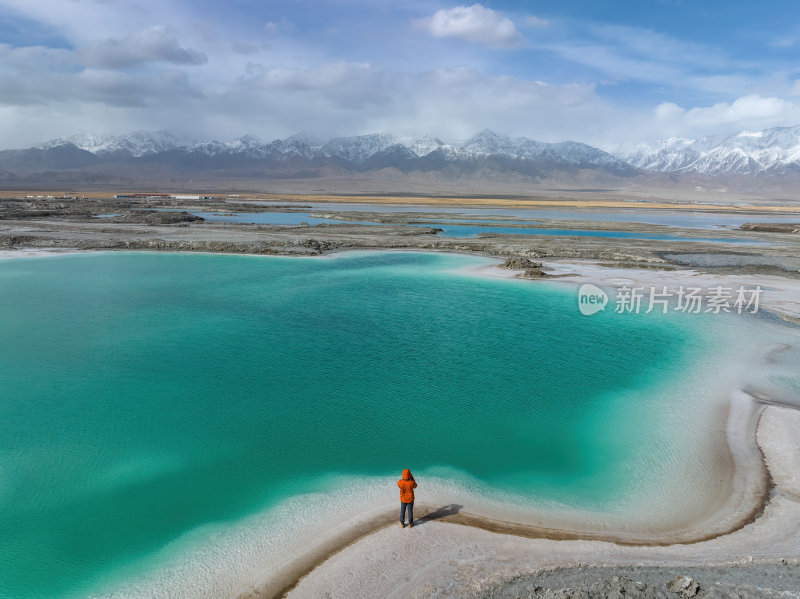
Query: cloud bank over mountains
{"points": [[574, 71]]}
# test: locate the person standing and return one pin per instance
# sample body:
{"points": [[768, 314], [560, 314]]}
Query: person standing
{"points": [[407, 485]]}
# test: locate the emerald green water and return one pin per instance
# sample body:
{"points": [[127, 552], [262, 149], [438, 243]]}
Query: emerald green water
{"points": [[144, 396]]}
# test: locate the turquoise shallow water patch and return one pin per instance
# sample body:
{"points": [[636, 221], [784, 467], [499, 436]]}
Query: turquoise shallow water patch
{"points": [[144, 396], [456, 229]]}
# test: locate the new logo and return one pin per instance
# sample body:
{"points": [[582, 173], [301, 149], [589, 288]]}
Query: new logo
{"points": [[591, 299]]}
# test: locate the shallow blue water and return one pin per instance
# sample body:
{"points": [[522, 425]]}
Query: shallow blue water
{"points": [[474, 231], [670, 218], [457, 230], [271, 218]]}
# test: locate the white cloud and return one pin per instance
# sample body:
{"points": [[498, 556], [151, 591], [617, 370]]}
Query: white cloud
{"points": [[475, 23], [111, 88], [784, 42], [668, 111], [643, 55], [273, 27], [244, 49], [653, 45], [534, 21], [324, 77], [349, 98], [33, 59], [113, 71], [155, 44], [619, 65], [341, 98], [751, 112], [82, 20]]}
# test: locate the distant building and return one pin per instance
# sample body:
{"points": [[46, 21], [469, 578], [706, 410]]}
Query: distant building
{"points": [[162, 196], [189, 196]]}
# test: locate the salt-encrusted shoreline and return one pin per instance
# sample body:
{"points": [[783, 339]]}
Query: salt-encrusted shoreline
{"points": [[780, 295], [35, 252], [442, 559], [461, 554]]}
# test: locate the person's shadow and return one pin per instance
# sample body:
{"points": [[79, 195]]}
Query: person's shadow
{"points": [[442, 512]]}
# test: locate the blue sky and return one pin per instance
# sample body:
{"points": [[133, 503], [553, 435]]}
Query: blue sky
{"points": [[605, 73]]}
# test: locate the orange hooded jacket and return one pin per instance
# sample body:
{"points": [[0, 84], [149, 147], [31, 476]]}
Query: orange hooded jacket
{"points": [[407, 485]]}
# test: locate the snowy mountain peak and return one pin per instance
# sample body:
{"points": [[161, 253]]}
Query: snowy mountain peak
{"points": [[304, 138], [489, 142], [425, 145], [245, 144], [248, 141], [358, 148], [771, 151], [138, 143]]}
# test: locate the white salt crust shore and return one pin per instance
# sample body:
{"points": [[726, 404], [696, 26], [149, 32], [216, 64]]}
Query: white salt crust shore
{"points": [[755, 516], [440, 559], [780, 295], [34, 253]]}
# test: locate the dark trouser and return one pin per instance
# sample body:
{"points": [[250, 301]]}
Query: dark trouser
{"points": [[410, 508]]}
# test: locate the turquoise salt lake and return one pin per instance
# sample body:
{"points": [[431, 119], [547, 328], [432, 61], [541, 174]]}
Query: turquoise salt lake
{"points": [[151, 402], [456, 227]]}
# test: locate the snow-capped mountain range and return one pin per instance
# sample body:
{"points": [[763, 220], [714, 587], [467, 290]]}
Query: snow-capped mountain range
{"points": [[772, 152], [357, 149], [138, 143]]}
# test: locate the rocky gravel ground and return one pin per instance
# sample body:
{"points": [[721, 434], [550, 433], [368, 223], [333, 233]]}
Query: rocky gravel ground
{"points": [[750, 581], [137, 225]]}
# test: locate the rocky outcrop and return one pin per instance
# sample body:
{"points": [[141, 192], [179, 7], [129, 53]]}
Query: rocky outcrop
{"points": [[529, 268], [16, 241], [532, 273], [685, 586], [316, 245], [772, 227], [157, 217], [520, 263]]}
